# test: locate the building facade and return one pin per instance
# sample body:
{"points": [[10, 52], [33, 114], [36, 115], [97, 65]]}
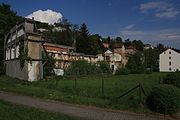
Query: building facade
{"points": [[22, 52], [169, 61]]}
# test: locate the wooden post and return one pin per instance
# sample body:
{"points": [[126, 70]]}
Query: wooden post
{"points": [[140, 96], [102, 85], [75, 82]]}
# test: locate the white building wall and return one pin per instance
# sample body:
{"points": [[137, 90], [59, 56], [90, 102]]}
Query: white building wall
{"points": [[7, 54], [12, 53], [169, 61], [20, 33], [17, 51]]}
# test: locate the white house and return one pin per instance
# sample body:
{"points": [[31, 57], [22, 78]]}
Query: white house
{"points": [[169, 61]]}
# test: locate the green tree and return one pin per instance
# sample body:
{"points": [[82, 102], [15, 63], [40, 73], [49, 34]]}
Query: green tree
{"points": [[127, 42], [119, 40], [138, 44], [95, 45], [8, 18], [136, 63], [82, 44], [152, 57]]}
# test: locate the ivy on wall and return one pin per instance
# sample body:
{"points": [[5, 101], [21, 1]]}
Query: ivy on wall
{"points": [[23, 54]]}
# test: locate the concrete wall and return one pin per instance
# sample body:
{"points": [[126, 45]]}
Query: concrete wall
{"points": [[13, 69], [35, 68], [32, 69]]}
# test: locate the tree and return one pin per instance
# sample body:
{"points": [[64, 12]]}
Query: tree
{"points": [[108, 39], [152, 57], [160, 47], [138, 44], [127, 42], [95, 44], [84, 31], [8, 18], [83, 45], [119, 40], [136, 63]]}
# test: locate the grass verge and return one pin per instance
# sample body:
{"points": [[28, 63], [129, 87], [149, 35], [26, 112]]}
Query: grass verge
{"points": [[10, 111]]}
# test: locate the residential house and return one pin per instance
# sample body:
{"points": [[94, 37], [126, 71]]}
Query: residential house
{"points": [[169, 61], [148, 46]]}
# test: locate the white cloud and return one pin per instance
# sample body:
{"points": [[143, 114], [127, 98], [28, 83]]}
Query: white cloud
{"points": [[150, 5], [132, 32], [128, 27], [160, 9], [47, 16], [170, 37], [169, 13]]}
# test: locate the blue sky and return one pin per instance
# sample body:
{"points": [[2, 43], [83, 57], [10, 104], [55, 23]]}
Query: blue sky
{"points": [[152, 21]]}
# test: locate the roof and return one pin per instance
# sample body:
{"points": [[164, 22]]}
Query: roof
{"points": [[108, 52], [57, 45], [177, 51], [130, 47], [118, 45]]}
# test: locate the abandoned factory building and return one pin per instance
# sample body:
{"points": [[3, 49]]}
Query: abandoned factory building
{"points": [[23, 42], [25, 47]]}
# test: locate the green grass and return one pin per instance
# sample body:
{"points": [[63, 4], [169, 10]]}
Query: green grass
{"points": [[88, 90], [10, 111]]}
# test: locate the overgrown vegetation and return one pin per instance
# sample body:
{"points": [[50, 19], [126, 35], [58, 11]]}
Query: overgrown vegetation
{"points": [[104, 67], [164, 99], [122, 71], [88, 89], [10, 111], [172, 79], [136, 63], [82, 67], [49, 64], [8, 19]]}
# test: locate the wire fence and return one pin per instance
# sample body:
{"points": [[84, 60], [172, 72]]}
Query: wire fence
{"points": [[99, 85]]}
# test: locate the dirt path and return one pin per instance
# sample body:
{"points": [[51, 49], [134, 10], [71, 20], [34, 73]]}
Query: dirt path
{"points": [[90, 113]]}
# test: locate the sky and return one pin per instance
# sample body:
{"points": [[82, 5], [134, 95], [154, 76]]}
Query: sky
{"points": [[152, 21]]}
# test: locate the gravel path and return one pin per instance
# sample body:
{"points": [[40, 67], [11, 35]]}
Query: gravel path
{"points": [[90, 113]]}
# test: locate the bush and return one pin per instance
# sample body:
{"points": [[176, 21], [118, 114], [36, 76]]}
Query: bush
{"points": [[122, 71], [81, 67], [2, 68], [164, 99], [48, 67], [148, 71], [104, 67], [172, 78]]}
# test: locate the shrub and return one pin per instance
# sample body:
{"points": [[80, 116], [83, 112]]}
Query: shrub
{"points": [[81, 67], [104, 67], [122, 71], [148, 71], [2, 68], [50, 64], [164, 99], [172, 78]]}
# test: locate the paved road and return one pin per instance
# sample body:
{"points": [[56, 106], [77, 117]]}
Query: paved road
{"points": [[90, 113]]}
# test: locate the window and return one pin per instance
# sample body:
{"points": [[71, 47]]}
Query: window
{"points": [[169, 52], [108, 58], [169, 69], [170, 63], [170, 58]]}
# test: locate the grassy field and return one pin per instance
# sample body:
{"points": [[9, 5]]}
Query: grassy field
{"points": [[10, 111], [88, 89]]}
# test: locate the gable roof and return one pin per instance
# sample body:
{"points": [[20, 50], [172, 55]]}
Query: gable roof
{"points": [[171, 50], [108, 52]]}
